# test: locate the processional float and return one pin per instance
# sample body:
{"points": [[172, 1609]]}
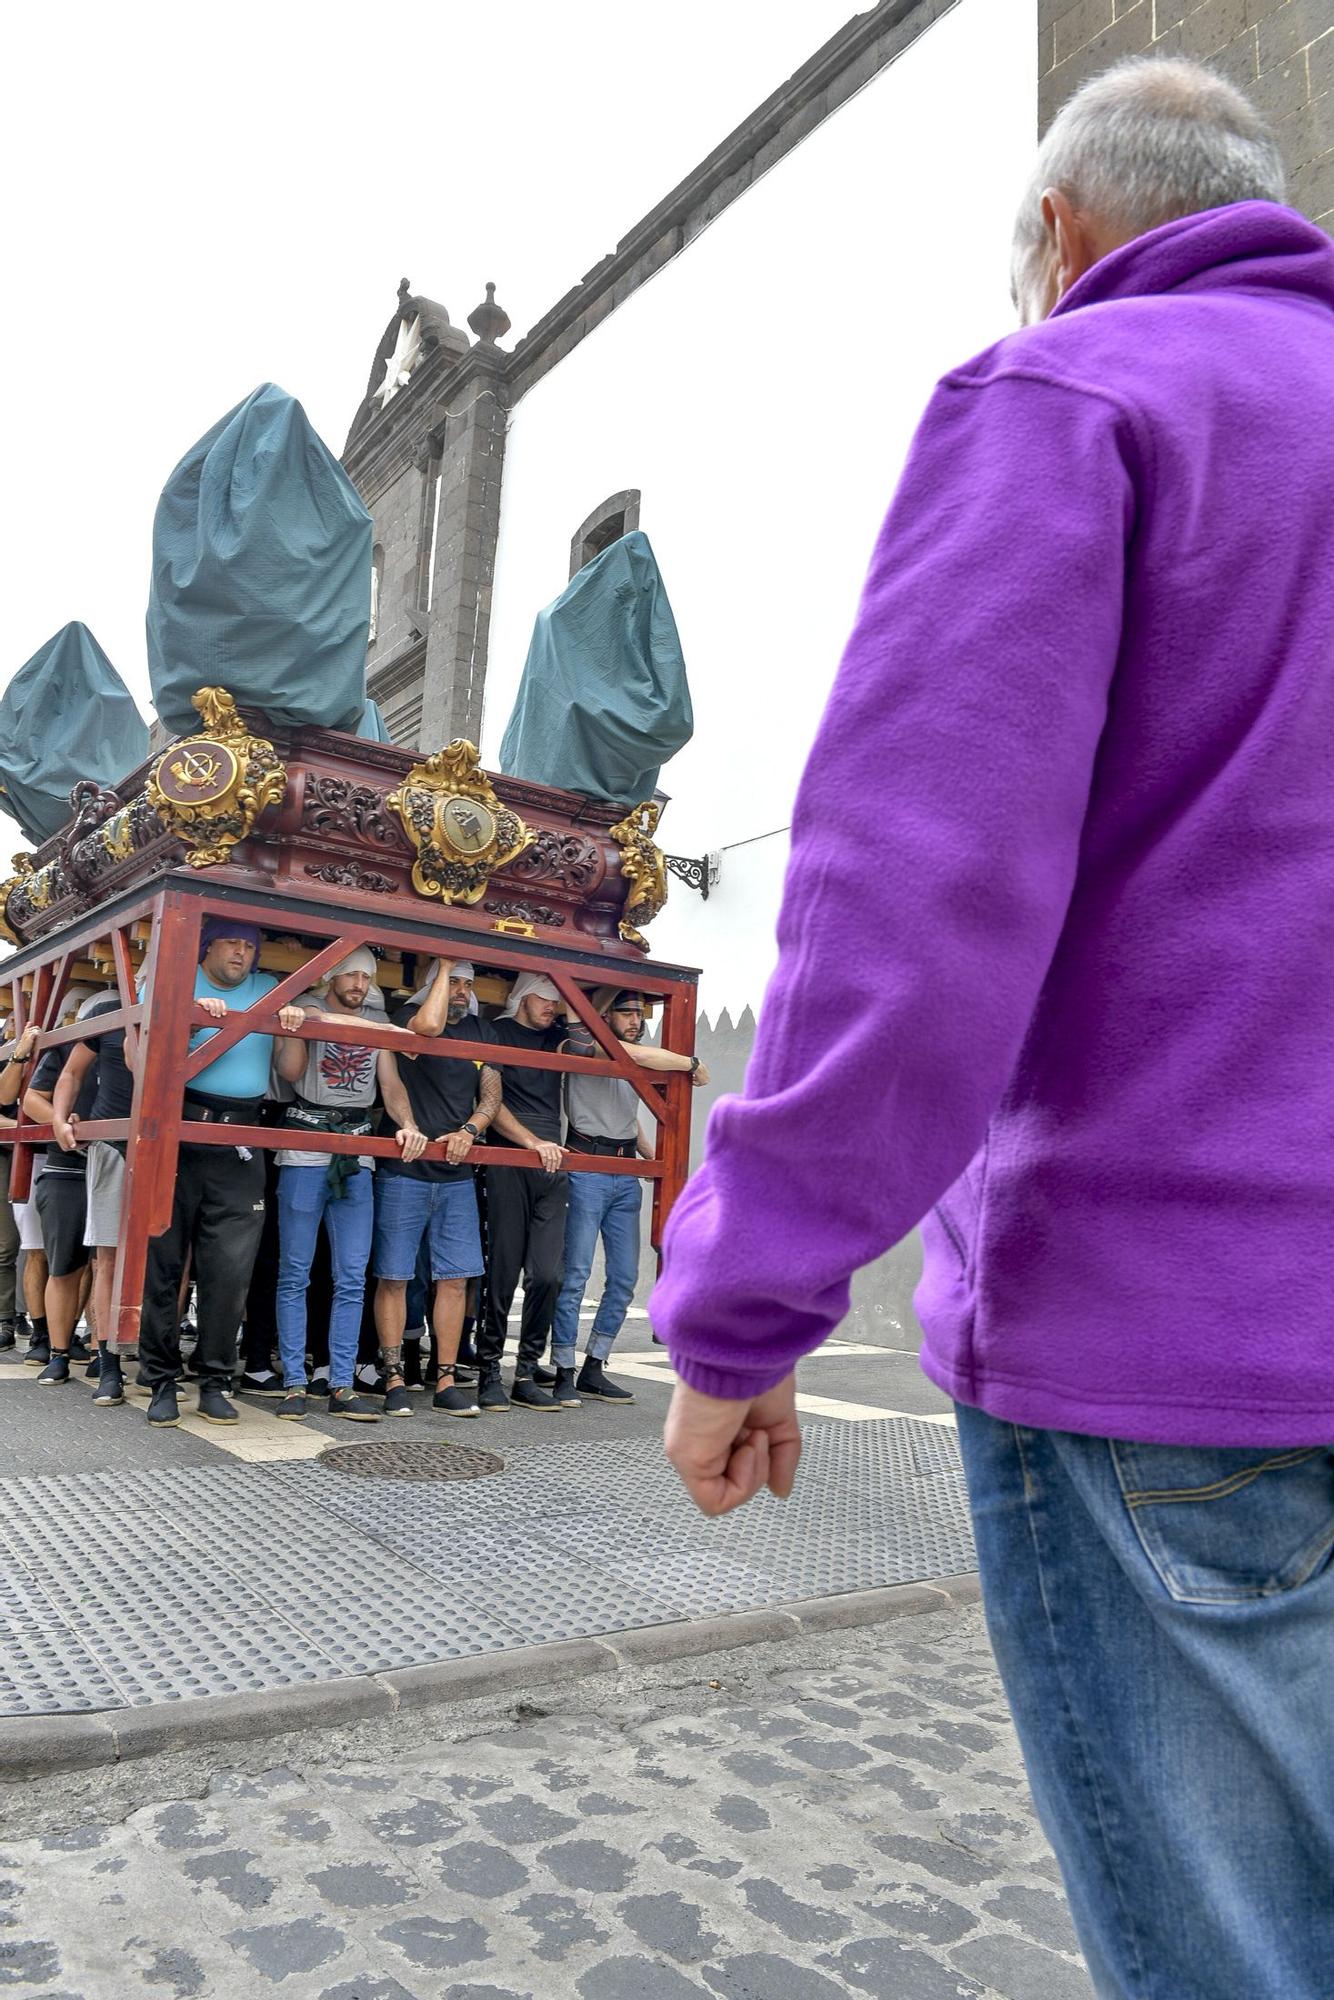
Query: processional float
{"points": [[327, 841]]}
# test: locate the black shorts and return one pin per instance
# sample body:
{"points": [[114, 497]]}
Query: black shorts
{"points": [[62, 1209]]}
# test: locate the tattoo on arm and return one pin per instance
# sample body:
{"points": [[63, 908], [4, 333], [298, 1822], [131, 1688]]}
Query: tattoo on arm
{"points": [[488, 1096]]}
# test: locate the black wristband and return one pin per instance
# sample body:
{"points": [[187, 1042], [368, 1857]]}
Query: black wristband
{"points": [[694, 1064]]}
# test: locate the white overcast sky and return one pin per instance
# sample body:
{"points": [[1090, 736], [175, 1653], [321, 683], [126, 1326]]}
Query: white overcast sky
{"points": [[204, 198]]}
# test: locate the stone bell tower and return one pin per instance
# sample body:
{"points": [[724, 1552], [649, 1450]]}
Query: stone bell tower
{"points": [[425, 453]]}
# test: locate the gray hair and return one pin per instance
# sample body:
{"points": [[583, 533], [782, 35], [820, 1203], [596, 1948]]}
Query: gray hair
{"points": [[1151, 140]]}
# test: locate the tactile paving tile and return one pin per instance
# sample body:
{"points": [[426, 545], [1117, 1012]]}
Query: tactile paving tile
{"points": [[226, 1578], [44, 1667], [433, 1460]]}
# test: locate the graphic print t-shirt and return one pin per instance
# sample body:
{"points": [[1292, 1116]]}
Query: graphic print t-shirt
{"points": [[338, 1074]]}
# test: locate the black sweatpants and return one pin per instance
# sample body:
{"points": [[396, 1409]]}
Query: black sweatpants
{"points": [[526, 1228], [219, 1213]]}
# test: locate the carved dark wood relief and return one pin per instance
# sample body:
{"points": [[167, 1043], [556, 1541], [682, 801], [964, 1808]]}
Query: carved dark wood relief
{"points": [[528, 913], [339, 809], [351, 875], [570, 859]]}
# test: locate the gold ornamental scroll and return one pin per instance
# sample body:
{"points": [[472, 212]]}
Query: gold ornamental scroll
{"points": [[459, 828], [209, 789], [643, 867]]}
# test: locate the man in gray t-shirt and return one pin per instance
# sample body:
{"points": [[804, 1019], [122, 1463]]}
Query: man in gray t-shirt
{"points": [[334, 1087], [603, 1117]]}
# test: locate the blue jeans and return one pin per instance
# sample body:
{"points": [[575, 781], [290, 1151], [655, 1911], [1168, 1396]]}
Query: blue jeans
{"points": [[605, 1205], [445, 1212], [304, 1198], [1163, 1618]]}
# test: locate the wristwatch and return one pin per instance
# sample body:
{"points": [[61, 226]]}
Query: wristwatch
{"points": [[694, 1064], [470, 1127]]}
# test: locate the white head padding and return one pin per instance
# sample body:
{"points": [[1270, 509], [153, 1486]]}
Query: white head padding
{"points": [[360, 960], [528, 985], [77, 998], [459, 968]]}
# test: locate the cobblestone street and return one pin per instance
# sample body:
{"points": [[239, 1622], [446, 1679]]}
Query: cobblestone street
{"points": [[843, 1816]]}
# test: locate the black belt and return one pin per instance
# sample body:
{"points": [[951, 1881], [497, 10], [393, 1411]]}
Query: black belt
{"points": [[358, 1123], [355, 1122], [590, 1142], [222, 1110]]}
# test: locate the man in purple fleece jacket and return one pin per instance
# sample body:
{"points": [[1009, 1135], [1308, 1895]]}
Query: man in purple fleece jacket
{"points": [[1087, 712]]}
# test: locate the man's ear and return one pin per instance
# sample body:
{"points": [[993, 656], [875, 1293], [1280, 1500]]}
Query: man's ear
{"points": [[1071, 240]]}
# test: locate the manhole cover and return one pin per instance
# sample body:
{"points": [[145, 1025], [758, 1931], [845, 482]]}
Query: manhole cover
{"points": [[412, 1461]]}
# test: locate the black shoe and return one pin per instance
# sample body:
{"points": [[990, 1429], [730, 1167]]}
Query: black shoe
{"points": [[462, 1373], [412, 1365], [56, 1370], [93, 1372], [397, 1402], [491, 1390], [8, 1335], [79, 1350], [39, 1351], [267, 1384], [544, 1377], [565, 1393], [215, 1409], [595, 1381], [467, 1354], [319, 1385], [452, 1400], [347, 1403], [293, 1405], [163, 1408], [110, 1382], [525, 1394], [190, 1365]]}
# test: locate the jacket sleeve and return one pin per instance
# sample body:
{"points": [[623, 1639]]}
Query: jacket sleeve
{"points": [[934, 847]]}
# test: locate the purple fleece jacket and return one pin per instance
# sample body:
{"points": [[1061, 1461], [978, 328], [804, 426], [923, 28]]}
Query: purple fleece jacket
{"points": [[1057, 941]]}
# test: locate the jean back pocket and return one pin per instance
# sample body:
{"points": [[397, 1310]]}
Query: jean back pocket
{"points": [[1227, 1524]]}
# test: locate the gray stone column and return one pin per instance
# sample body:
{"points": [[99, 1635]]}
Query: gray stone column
{"points": [[471, 417]]}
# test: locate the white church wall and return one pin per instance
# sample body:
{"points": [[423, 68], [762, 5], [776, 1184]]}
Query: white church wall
{"points": [[761, 393]]}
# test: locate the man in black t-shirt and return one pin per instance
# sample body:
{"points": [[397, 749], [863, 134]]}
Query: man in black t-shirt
{"points": [[525, 1206], [453, 1100], [61, 1198], [101, 1060]]}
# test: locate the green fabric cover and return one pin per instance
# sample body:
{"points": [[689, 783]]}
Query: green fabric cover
{"points": [[371, 726], [604, 700], [66, 715], [261, 577]]}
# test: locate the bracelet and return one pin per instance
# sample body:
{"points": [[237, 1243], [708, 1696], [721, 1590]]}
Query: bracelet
{"points": [[694, 1064]]}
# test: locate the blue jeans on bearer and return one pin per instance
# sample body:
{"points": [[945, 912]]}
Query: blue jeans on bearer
{"points": [[605, 1205], [1163, 1617], [444, 1212], [304, 1197]]}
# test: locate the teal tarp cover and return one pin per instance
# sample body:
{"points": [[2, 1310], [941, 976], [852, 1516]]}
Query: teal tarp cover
{"points": [[261, 573], [371, 727], [66, 715], [604, 700]]}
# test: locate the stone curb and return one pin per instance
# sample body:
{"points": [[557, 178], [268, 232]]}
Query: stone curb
{"points": [[36, 1746]]}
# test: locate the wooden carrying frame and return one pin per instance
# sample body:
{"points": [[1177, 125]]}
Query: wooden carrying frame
{"points": [[158, 1028]]}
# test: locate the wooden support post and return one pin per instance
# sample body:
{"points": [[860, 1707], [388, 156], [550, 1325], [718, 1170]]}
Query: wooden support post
{"points": [[673, 1149], [155, 1114]]}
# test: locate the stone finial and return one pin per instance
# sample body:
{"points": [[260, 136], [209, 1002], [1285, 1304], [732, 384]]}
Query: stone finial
{"points": [[488, 320]]}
